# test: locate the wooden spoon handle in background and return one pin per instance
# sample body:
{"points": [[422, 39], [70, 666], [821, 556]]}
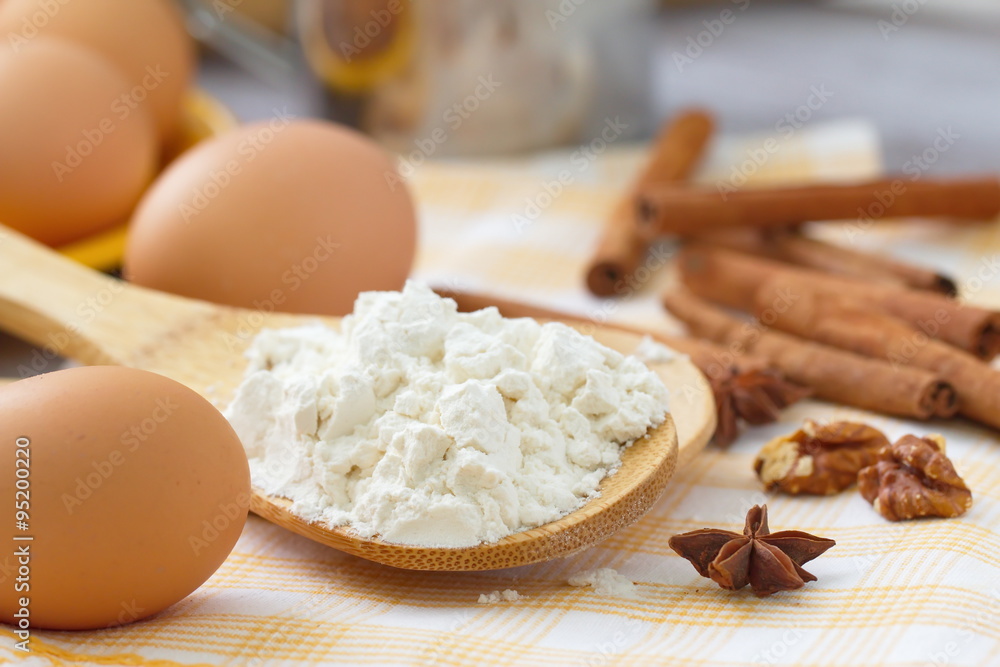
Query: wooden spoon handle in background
{"points": [[69, 310], [665, 209]]}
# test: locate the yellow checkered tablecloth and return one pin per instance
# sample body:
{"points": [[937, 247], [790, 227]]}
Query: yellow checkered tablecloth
{"points": [[917, 593]]}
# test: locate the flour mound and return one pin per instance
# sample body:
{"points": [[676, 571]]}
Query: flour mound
{"points": [[430, 427]]}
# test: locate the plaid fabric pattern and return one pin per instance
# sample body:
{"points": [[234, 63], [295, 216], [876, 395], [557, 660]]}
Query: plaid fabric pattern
{"points": [[915, 594]]}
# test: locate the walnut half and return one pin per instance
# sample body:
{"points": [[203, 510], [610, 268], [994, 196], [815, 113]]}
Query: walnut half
{"points": [[819, 459], [915, 480]]}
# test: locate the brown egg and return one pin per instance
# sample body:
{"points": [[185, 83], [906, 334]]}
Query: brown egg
{"points": [[73, 161], [145, 39], [290, 216], [133, 489]]}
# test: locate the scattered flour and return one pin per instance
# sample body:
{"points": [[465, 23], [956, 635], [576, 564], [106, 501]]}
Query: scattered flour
{"points": [[498, 596], [651, 351], [430, 427], [605, 582]]}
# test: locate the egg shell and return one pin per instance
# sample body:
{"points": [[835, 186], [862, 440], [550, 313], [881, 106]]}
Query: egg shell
{"points": [[145, 39], [294, 216], [71, 162], [138, 489]]}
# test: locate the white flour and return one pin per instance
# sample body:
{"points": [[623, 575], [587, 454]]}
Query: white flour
{"points": [[605, 581], [500, 596], [651, 351], [430, 427]]}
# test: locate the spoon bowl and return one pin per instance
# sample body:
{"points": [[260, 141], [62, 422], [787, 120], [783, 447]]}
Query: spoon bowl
{"points": [[68, 310]]}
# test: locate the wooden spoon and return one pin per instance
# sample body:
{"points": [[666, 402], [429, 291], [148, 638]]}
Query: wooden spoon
{"points": [[69, 310]]}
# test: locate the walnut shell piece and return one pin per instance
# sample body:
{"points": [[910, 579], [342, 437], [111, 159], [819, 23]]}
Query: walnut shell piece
{"points": [[915, 480], [819, 459]]}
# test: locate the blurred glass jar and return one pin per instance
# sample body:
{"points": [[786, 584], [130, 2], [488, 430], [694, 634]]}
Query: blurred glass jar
{"points": [[453, 77], [461, 77]]}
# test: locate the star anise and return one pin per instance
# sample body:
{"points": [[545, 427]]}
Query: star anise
{"points": [[769, 562], [756, 396]]}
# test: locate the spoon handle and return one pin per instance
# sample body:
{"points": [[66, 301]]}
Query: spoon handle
{"points": [[69, 310]]}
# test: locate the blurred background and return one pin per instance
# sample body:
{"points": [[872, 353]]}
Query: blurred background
{"points": [[909, 66], [865, 87]]}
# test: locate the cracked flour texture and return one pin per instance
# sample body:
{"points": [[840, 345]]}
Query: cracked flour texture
{"points": [[430, 427]]}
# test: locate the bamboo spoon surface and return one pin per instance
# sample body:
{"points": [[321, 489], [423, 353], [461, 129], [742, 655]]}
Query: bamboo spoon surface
{"points": [[68, 309]]}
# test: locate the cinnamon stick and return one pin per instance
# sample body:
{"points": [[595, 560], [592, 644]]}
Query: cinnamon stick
{"points": [[666, 209], [791, 246], [851, 325], [832, 374], [732, 279], [674, 156]]}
